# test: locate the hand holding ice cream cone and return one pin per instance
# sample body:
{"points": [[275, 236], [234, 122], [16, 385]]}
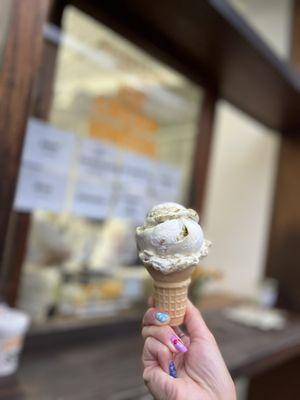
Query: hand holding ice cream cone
{"points": [[170, 244]]}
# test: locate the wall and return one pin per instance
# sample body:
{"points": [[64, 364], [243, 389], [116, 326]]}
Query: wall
{"points": [[270, 19], [239, 197], [242, 171]]}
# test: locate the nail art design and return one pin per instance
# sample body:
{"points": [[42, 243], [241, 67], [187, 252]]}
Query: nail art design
{"points": [[172, 369], [161, 317], [178, 344]]}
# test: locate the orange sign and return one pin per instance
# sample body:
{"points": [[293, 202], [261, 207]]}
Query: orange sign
{"points": [[116, 122]]}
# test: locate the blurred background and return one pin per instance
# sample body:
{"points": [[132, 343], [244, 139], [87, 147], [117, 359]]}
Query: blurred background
{"points": [[108, 109]]}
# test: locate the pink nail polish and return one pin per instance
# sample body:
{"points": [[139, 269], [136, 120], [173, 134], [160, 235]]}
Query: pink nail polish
{"points": [[177, 343]]}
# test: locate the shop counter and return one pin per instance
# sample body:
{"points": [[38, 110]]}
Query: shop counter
{"points": [[105, 362]]}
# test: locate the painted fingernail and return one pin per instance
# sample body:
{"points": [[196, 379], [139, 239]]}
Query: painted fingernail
{"points": [[161, 317], [172, 369], [177, 343]]}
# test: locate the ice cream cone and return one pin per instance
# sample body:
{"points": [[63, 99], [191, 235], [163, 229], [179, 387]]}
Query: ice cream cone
{"points": [[170, 244], [170, 292]]}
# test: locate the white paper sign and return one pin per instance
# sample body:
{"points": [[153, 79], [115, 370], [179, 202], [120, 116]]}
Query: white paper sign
{"points": [[40, 189], [132, 204], [48, 146], [98, 159], [49, 156], [137, 171], [92, 198], [167, 183]]}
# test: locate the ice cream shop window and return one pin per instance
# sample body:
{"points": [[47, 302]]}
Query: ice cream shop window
{"points": [[116, 138]]}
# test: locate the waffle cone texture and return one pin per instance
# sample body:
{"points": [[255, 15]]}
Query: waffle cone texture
{"points": [[170, 293]]}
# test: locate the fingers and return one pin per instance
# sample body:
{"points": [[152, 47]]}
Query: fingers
{"points": [[156, 353], [155, 317], [183, 336], [195, 323], [156, 359], [156, 325], [166, 336]]}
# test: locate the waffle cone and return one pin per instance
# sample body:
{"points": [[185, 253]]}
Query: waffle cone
{"points": [[170, 292]]}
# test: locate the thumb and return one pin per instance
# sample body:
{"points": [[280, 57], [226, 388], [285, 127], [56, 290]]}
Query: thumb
{"points": [[195, 324]]}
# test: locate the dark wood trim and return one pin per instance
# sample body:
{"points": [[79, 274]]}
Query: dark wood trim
{"points": [[21, 59], [277, 383], [202, 151], [44, 82], [42, 93], [14, 257], [43, 87], [283, 257]]}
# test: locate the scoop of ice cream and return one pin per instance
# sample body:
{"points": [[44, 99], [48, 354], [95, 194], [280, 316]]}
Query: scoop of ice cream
{"points": [[171, 238]]}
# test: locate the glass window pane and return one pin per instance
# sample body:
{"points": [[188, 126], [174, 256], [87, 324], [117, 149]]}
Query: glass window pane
{"points": [[119, 138]]}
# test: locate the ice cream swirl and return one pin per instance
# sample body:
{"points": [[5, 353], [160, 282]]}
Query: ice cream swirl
{"points": [[171, 238]]}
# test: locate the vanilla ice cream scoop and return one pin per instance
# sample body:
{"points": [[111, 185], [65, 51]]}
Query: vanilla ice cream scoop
{"points": [[171, 238]]}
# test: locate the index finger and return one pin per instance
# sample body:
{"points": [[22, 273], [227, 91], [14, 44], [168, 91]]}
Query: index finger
{"points": [[153, 316]]}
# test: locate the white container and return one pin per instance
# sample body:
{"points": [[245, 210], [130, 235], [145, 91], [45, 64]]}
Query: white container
{"points": [[13, 327], [38, 291]]}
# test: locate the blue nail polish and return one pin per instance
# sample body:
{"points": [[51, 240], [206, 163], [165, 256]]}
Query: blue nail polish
{"points": [[172, 369], [161, 317]]}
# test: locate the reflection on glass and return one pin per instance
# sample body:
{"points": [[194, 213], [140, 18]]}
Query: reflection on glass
{"points": [[119, 139]]}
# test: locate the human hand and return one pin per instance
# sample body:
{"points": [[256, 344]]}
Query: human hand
{"points": [[201, 370]]}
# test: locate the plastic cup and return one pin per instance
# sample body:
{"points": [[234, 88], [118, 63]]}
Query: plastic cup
{"points": [[13, 327]]}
